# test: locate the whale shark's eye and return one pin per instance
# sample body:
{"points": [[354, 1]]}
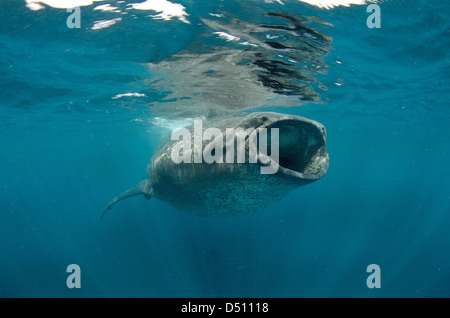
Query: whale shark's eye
{"points": [[264, 118]]}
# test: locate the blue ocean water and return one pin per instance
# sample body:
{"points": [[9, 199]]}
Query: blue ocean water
{"points": [[82, 110]]}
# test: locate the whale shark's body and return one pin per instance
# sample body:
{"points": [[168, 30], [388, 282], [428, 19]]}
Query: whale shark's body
{"points": [[225, 189]]}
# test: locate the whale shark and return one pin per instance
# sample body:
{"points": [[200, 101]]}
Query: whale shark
{"points": [[219, 188]]}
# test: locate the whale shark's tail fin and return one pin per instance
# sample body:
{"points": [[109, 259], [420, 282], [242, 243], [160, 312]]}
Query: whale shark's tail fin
{"points": [[141, 188]]}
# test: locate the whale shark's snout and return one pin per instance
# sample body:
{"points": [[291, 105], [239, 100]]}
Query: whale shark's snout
{"points": [[228, 186], [302, 147]]}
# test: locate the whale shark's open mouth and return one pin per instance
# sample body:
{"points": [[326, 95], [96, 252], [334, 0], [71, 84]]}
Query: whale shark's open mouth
{"points": [[302, 148]]}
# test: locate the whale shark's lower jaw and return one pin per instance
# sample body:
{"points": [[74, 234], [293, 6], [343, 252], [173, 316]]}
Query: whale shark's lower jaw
{"points": [[302, 148]]}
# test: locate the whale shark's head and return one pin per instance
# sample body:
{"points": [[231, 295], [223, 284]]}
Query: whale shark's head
{"points": [[301, 144]]}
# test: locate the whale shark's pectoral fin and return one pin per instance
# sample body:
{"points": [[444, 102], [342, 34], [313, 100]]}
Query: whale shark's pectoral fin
{"points": [[141, 188]]}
